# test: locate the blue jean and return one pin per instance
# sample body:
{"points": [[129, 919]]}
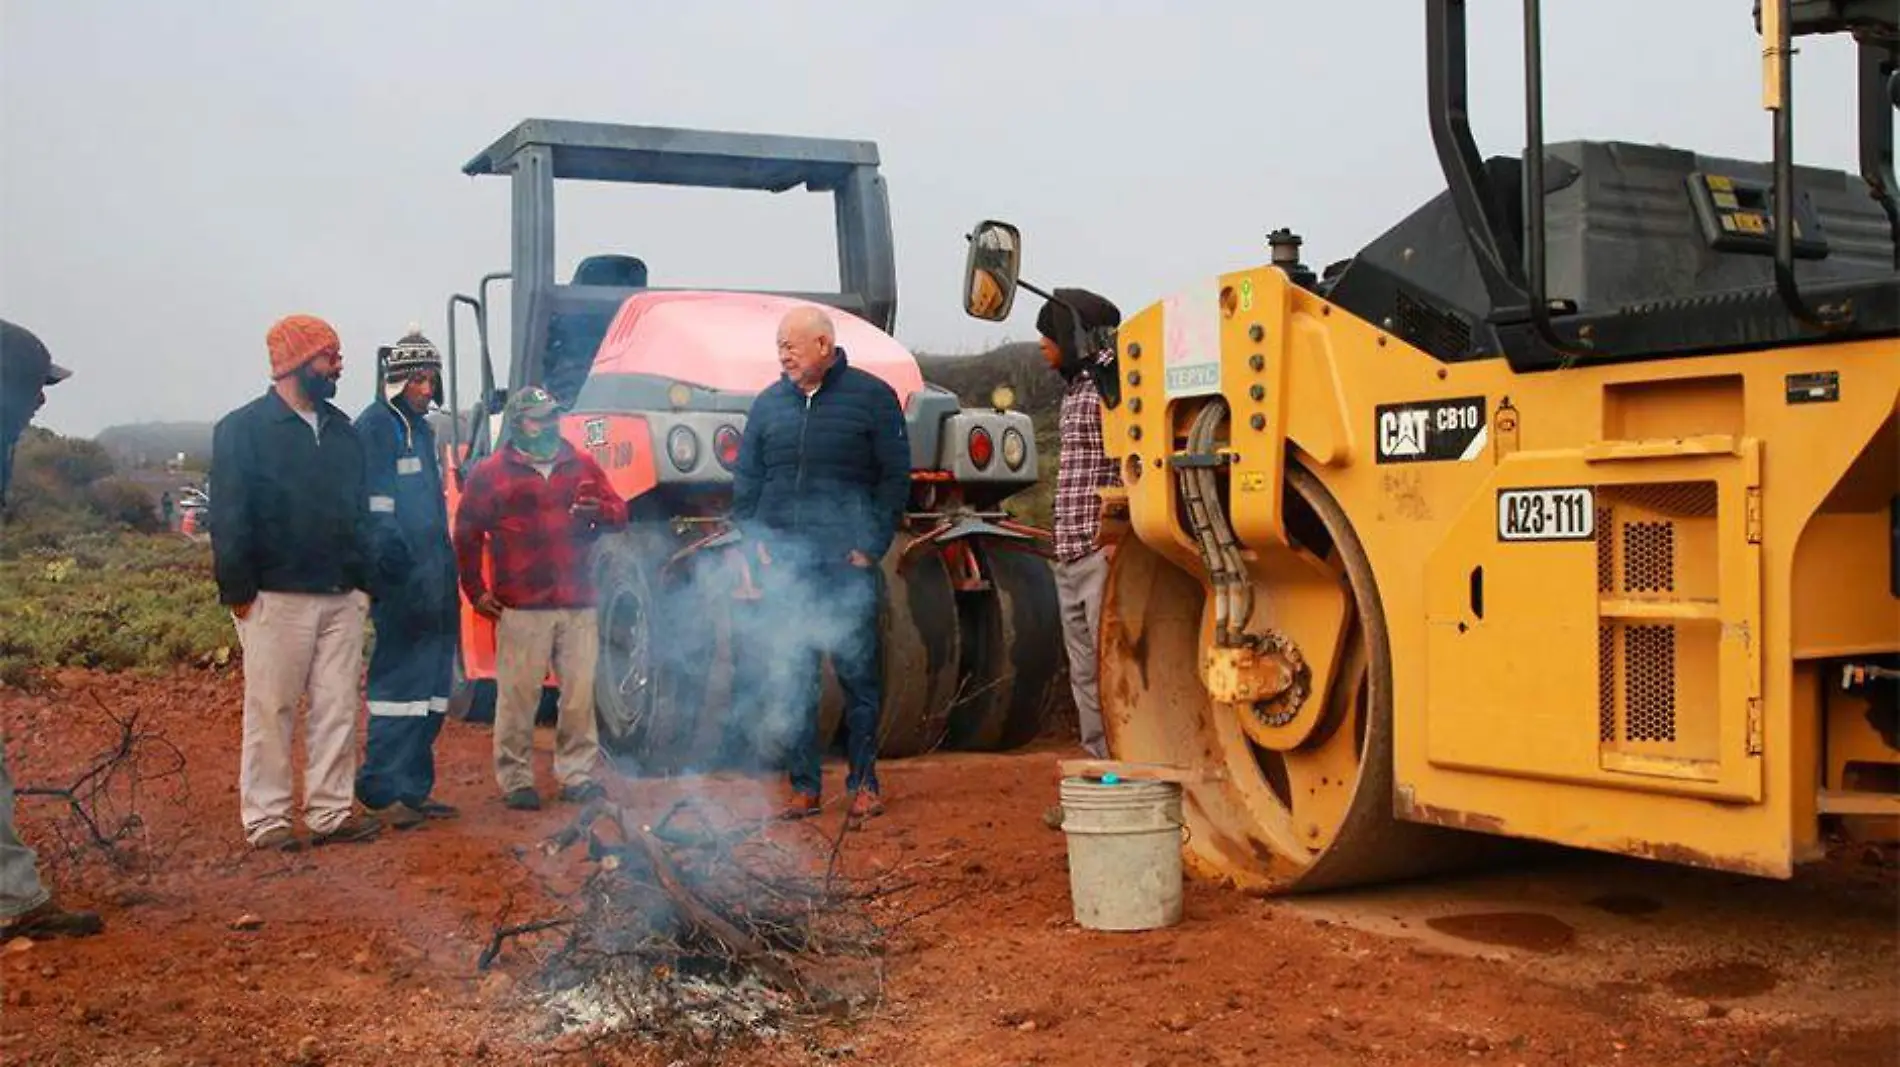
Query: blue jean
{"points": [[808, 611], [843, 625]]}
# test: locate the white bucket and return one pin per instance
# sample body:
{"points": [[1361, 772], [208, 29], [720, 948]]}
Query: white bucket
{"points": [[1124, 853]]}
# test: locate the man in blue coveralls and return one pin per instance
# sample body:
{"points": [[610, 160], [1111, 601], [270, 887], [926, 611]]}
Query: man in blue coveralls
{"points": [[415, 615]]}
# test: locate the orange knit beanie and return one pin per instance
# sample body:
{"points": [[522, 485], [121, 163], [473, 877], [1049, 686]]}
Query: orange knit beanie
{"points": [[295, 340]]}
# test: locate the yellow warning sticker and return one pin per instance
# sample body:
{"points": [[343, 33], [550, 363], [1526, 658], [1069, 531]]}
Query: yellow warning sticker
{"points": [[1253, 481], [1246, 294]]}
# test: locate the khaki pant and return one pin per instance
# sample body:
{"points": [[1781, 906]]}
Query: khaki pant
{"points": [[1079, 587], [298, 644], [527, 642]]}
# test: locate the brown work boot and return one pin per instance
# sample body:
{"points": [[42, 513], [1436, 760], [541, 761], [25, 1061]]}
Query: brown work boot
{"points": [[277, 839], [354, 829], [51, 920], [435, 809], [401, 816], [800, 806], [866, 804]]}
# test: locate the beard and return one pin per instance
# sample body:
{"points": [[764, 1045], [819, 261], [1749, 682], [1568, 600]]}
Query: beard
{"points": [[316, 385]]}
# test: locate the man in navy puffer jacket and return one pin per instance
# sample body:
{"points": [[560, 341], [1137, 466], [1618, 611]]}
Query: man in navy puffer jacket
{"points": [[822, 479]]}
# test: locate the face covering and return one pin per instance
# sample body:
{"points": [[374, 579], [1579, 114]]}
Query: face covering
{"points": [[317, 386], [541, 446]]}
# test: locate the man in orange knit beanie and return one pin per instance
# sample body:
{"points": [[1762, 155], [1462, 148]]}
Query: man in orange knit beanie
{"points": [[289, 525]]}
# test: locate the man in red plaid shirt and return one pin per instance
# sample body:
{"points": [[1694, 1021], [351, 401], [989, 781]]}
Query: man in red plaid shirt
{"points": [[537, 504], [1084, 469]]}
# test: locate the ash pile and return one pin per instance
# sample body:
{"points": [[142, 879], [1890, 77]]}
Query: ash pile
{"points": [[700, 931]]}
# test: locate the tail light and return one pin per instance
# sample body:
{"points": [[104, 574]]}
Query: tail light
{"points": [[682, 447], [982, 449], [1015, 448], [726, 447]]}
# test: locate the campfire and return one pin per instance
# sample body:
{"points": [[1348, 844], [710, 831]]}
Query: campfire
{"points": [[698, 930]]}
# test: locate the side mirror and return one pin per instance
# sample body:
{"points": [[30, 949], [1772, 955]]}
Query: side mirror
{"points": [[990, 269]]}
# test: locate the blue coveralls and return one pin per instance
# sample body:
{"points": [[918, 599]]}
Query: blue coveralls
{"points": [[415, 612]]}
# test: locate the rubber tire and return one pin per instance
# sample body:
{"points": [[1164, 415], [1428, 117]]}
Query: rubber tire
{"points": [[1015, 669], [919, 650], [667, 726]]}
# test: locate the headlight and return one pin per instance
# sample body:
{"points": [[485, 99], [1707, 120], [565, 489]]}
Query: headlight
{"points": [[1002, 398], [682, 447], [1015, 448]]}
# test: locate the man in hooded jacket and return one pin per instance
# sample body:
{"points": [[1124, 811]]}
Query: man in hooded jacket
{"points": [[1084, 469], [415, 614]]}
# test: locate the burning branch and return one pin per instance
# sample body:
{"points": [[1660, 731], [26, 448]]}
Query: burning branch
{"points": [[700, 927], [703, 917]]}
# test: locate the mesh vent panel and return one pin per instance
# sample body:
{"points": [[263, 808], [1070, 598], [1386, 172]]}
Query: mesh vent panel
{"points": [[1649, 683], [1649, 557]]}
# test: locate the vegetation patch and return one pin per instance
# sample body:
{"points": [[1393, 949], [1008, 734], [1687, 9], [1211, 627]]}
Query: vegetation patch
{"points": [[111, 601]]}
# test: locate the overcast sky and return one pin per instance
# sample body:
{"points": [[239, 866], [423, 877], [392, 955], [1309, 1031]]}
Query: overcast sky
{"points": [[174, 177]]}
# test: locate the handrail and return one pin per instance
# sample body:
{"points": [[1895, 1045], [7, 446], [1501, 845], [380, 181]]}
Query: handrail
{"points": [[1535, 254], [455, 407], [1778, 97]]}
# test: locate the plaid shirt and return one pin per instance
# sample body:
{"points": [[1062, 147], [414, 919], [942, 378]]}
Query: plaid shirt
{"points": [[1085, 468], [539, 549]]}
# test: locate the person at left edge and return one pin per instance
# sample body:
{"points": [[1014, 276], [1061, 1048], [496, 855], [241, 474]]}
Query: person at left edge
{"points": [[415, 612], [27, 907]]}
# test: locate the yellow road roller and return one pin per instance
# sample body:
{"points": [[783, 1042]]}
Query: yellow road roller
{"points": [[1568, 509]]}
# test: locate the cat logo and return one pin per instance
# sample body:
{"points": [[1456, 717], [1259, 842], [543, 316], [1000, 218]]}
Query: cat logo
{"points": [[1402, 433], [1430, 431]]}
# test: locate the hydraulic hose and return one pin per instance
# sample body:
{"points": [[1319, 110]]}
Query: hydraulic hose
{"points": [[1220, 551]]}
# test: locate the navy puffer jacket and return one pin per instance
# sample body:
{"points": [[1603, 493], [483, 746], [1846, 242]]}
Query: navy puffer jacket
{"points": [[825, 474]]}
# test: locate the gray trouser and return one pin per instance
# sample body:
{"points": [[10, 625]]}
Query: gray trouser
{"points": [[20, 888], [1079, 586]]}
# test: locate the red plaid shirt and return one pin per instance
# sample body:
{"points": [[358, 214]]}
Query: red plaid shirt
{"points": [[539, 549], [1085, 469]]}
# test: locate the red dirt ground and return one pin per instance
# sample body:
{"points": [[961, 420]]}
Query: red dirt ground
{"points": [[366, 953]]}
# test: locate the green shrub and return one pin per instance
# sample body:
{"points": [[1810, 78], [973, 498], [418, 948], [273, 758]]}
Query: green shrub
{"points": [[124, 502], [65, 487], [111, 602]]}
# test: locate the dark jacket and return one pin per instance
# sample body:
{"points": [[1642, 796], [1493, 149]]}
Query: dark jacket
{"points": [[411, 559], [824, 475], [288, 514]]}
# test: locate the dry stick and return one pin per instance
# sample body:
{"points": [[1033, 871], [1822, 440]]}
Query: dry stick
{"points": [[502, 934], [699, 914], [99, 776], [837, 850]]}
